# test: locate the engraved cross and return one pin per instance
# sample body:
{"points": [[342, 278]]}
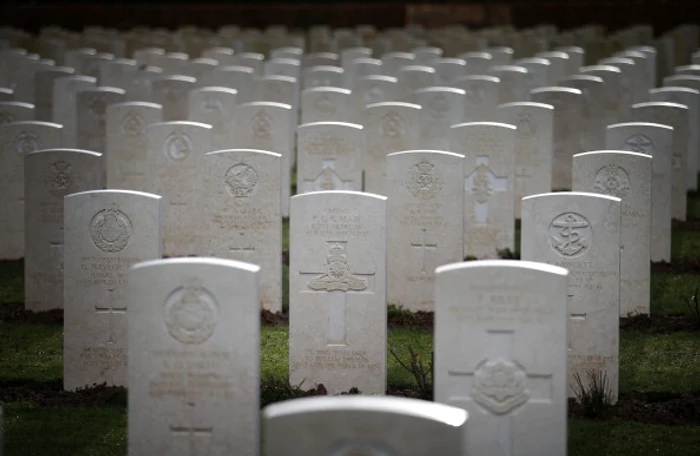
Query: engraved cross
{"points": [[424, 245], [192, 431], [337, 280], [480, 184], [242, 253], [110, 310]]}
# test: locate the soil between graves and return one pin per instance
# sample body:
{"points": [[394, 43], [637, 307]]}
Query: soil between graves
{"points": [[687, 225]]}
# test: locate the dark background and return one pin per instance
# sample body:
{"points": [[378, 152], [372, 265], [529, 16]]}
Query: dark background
{"points": [[663, 15]]}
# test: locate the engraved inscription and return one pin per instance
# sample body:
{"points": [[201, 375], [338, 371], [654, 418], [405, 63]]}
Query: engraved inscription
{"points": [[27, 142], [640, 144], [191, 313], [335, 358], [570, 234], [261, 126], [178, 147], [422, 180], [338, 223], [612, 180], [104, 358], [105, 271], [59, 179], [132, 124], [507, 305], [110, 230], [337, 275], [211, 105], [241, 180], [500, 385], [190, 375], [392, 126]]}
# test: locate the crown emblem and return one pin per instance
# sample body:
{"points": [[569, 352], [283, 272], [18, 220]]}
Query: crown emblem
{"points": [[337, 253]]}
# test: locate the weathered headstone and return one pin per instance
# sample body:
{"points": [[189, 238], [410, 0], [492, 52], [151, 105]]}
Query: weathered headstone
{"points": [[243, 218], [612, 80], [514, 83], [442, 107], [538, 70], [171, 92], [175, 160], [172, 63], [478, 63], [16, 111], [560, 62], [337, 291], [215, 106], [370, 90], [414, 77], [626, 175], [489, 186], [126, 157], [117, 73], [326, 104], [514, 386], [581, 232], [43, 90], [389, 127], [194, 357], [392, 62], [655, 140], [481, 94], [106, 232], [91, 125], [357, 425], [595, 115], [233, 77], [51, 174], [323, 76], [425, 219], [65, 110]]}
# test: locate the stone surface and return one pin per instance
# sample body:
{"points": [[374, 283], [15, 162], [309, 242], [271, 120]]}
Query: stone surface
{"points": [[194, 360], [91, 125], [117, 73], [171, 92], [413, 77], [513, 381], [568, 108], [65, 111], [612, 80], [514, 83], [581, 232], [105, 233], [655, 140], [389, 127], [626, 175], [268, 126], [594, 113], [215, 106], [357, 425], [43, 90], [482, 92], [489, 186], [337, 291], [326, 104], [329, 156], [175, 161], [533, 147], [16, 111], [17, 139], [126, 157], [51, 174], [243, 218], [676, 116], [323, 76], [425, 223], [372, 89], [442, 107]]}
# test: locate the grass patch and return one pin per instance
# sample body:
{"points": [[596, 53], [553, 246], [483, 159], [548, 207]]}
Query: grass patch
{"points": [[11, 281], [670, 292], [685, 244]]}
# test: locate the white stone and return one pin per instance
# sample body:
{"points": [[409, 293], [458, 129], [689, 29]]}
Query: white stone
{"points": [[425, 223], [243, 218], [175, 161], [252, 60], [389, 127], [489, 186], [330, 156], [362, 425], [392, 62], [25, 78], [126, 157], [223, 55], [539, 71], [414, 77], [501, 55], [595, 116], [626, 175], [51, 174], [172, 63], [43, 90], [442, 107], [370, 90], [233, 77], [326, 104], [171, 92], [194, 357], [482, 93], [323, 76], [655, 140], [91, 125], [106, 232], [276, 89], [642, 77], [559, 64], [512, 381], [361, 67], [449, 69], [6, 94], [612, 80], [145, 56], [631, 85], [533, 147], [17, 139], [140, 85], [337, 291], [215, 106], [676, 116], [576, 55], [16, 111], [118, 73], [478, 63], [514, 83], [581, 232], [320, 59], [90, 64], [65, 111], [568, 107], [199, 68]]}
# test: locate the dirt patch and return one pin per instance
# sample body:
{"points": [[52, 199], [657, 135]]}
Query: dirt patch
{"points": [[15, 313], [650, 408], [678, 266], [688, 225], [285, 258], [659, 324], [268, 318], [413, 320], [51, 395]]}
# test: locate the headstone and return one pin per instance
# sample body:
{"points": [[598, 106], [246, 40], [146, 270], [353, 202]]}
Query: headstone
{"points": [[140, 85], [320, 59], [594, 113], [414, 77], [612, 79], [233, 77], [626, 175], [489, 186], [18, 139], [145, 56], [194, 356], [361, 67], [514, 385], [51, 174], [175, 161], [478, 63], [118, 72], [65, 109], [389, 127], [16, 111], [676, 116], [356, 425], [631, 84], [501, 55], [223, 55], [252, 60], [6, 94], [25, 86], [449, 69], [442, 107], [215, 106], [43, 90], [171, 92], [267, 126], [538, 71], [199, 68], [425, 219], [370, 90], [533, 147], [172, 63], [581, 232], [560, 64], [576, 55], [126, 157], [326, 104], [655, 140], [482, 93], [392, 62], [91, 105], [323, 76], [426, 55], [106, 232], [337, 291], [568, 107], [514, 83]]}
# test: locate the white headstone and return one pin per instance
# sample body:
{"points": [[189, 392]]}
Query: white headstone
{"points": [[370, 90], [478, 63], [414, 77], [43, 90], [215, 106], [65, 110], [323, 76], [482, 93], [118, 72], [91, 124], [514, 83], [233, 77], [442, 107], [171, 92], [16, 111], [326, 104], [595, 115], [392, 62], [449, 69]]}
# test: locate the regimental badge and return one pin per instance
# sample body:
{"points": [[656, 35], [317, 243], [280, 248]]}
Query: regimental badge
{"points": [[422, 180], [191, 313], [110, 230]]}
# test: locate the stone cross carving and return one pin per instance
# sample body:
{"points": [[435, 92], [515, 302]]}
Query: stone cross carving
{"points": [[337, 280], [110, 310], [424, 245], [239, 252], [481, 183], [192, 432]]}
